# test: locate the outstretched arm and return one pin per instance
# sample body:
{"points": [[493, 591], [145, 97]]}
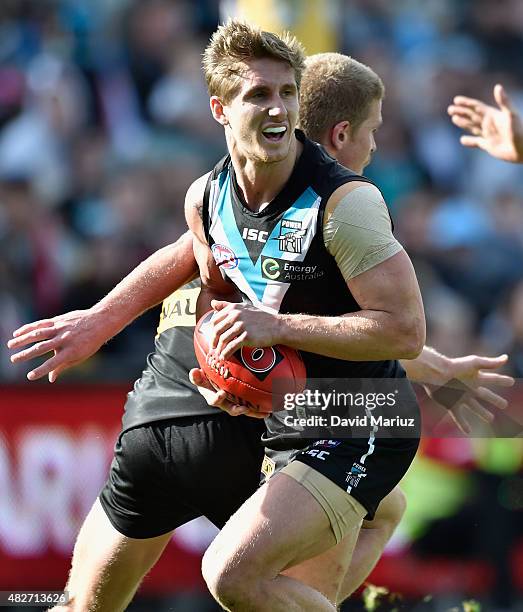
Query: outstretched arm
{"points": [[498, 131], [473, 374], [74, 336]]}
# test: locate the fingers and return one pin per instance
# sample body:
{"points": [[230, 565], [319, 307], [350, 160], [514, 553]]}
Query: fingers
{"points": [[31, 326], [236, 410], [53, 374], [235, 330], [257, 415], [43, 332], [502, 99], [492, 378], [52, 367], [468, 103], [228, 330], [234, 345], [469, 116], [479, 410], [464, 124], [221, 322], [459, 418], [224, 330], [473, 141], [198, 378], [481, 362], [37, 350], [218, 305], [489, 396], [218, 398], [214, 397]]}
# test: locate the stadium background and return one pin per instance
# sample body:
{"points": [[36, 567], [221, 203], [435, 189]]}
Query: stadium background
{"points": [[104, 123]]}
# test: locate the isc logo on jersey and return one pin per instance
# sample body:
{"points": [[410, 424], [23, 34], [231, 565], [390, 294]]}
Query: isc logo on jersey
{"points": [[254, 235]]}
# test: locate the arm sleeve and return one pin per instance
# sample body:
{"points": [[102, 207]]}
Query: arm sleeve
{"points": [[358, 233]]}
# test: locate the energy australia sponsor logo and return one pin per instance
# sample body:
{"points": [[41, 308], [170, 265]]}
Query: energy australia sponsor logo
{"points": [[284, 271]]}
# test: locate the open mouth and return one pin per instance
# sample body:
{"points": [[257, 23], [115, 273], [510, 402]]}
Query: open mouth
{"points": [[274, 134]]}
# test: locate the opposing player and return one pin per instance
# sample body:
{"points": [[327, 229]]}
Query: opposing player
{"points": [[498, 131], [105, 576]]}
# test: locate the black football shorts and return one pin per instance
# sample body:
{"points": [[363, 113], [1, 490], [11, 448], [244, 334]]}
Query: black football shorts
{"points": [[167, 473], [368, 471]]}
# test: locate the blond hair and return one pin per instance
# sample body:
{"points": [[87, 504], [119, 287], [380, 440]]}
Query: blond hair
{"points": [[237, 42], [336, 88]]}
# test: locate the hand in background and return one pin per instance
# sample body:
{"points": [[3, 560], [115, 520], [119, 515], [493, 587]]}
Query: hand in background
{"points": [[498, 131]]}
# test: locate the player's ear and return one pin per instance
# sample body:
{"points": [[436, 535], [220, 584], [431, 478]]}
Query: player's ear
{"points": [[217, 110], [339, 135]]}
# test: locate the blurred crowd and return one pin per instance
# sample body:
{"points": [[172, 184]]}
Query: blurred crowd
{"points": [[104, 123]]}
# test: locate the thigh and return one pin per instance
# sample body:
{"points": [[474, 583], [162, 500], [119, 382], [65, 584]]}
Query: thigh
{"points": [[141, 497], [281, 525], [367, 470], [107, 567]]}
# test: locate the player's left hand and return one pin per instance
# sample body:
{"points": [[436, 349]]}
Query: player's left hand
{"points": [[476, 376], [237, 325], [218, 398]]}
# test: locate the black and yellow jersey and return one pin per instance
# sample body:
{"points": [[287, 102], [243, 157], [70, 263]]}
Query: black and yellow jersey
{"points": [[164, 390]]}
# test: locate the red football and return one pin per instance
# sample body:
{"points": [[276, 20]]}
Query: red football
{"points": [[248, 376]]}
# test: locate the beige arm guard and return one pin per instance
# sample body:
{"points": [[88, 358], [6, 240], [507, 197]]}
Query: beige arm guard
{"points": [[358, 233]]}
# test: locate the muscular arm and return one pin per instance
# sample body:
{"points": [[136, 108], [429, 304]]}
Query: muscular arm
{"points": [[75, 336], [149, 283], [389, 325]]}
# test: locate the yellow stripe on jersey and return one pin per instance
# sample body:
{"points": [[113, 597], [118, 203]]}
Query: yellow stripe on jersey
{"points": [[179, 310]]}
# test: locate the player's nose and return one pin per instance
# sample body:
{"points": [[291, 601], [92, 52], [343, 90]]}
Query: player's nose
{"points": [[277, 109]]}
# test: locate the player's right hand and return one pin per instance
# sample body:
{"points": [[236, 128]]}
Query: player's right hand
{"points": [[218, 397], [72, 338]]}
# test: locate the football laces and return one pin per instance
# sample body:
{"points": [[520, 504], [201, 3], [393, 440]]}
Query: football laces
{"points": [[217, 365]]}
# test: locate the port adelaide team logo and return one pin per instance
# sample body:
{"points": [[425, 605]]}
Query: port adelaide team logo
{"points": [[291, 236], [224, 256], [287, 269], [357, 472]]}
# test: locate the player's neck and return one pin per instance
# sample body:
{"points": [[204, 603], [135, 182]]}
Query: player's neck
{"points": [[261, 182]]}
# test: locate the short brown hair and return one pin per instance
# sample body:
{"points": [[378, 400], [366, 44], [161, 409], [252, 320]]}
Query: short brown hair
{"points": [[237, 42], [336, 88]]}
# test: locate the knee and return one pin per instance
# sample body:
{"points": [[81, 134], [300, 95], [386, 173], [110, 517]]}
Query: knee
{"points": [[231, 586], [397, 507], [391, 511]]}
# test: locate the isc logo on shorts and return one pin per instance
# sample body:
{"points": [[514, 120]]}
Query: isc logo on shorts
{"points": [[319, 454], [268, 467]]}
